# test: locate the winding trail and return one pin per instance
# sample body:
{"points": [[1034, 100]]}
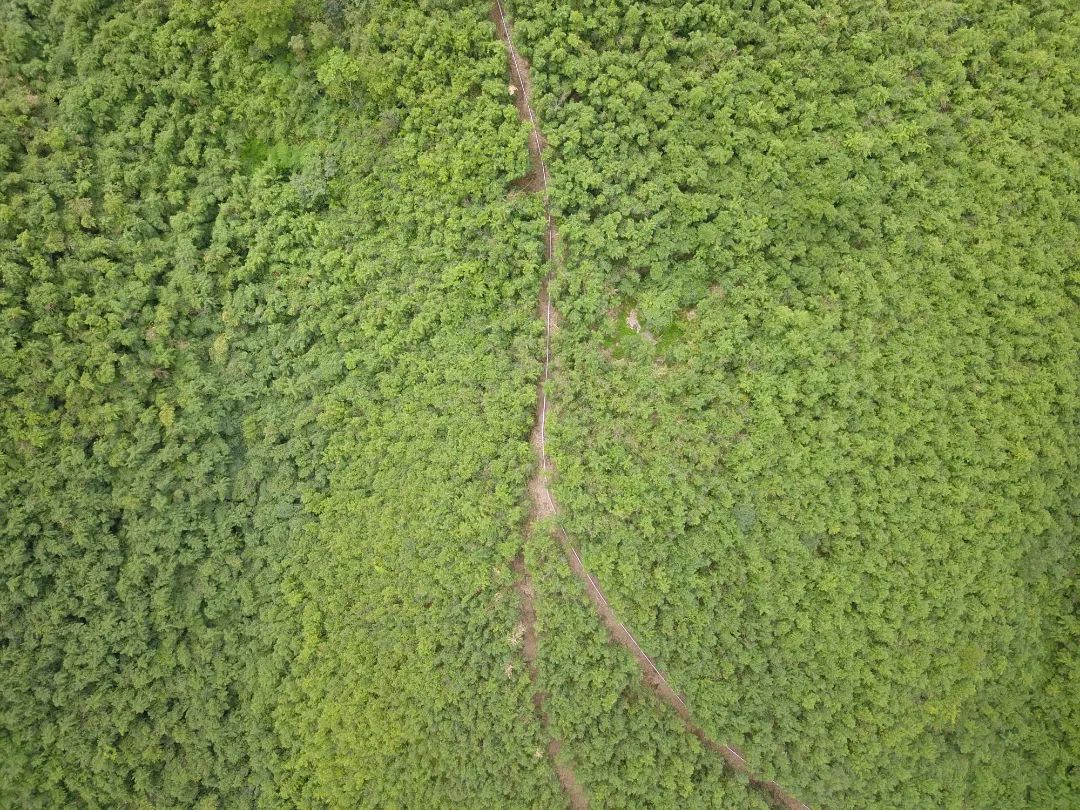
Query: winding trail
{"points": [[570, 785], [543, 504], [537, 180]]}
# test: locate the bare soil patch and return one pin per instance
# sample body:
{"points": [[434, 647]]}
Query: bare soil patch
{"points": [[542, 505]]}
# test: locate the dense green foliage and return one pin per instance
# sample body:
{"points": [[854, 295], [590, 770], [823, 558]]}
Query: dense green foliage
{"points": [[268, 353], [833, 478], [627, 749], [267, 372]]}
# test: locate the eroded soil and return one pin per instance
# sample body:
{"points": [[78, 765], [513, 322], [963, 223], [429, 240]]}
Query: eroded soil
{"points": [[542, 504]]}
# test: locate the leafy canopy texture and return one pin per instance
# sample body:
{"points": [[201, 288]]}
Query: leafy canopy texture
{"points": [[268, 355], [267, 366], [816, 394]]}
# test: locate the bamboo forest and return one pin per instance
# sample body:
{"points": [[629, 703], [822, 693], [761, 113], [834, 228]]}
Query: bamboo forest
{"points": [[564, 404]]}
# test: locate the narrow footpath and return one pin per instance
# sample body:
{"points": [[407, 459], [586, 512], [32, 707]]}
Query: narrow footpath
{"points": [[543, 504], [536, 181]]}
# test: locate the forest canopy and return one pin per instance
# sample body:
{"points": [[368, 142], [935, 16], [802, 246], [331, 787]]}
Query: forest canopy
{"points": [[269, 355]]}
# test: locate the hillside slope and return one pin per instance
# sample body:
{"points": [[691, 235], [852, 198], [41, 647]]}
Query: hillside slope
{"points": [[816, 378], [269, 355]]}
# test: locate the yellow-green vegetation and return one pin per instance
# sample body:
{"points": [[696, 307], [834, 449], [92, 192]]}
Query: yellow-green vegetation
{"points": [[816, 387], [267, 370], [626, 747], [268, 354]]}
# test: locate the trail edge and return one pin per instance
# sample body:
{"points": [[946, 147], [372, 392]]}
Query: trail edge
{"points": [[543, 504]]}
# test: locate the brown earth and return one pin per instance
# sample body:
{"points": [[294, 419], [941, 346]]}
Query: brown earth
{"points": [[523, 585], [542, 504]]}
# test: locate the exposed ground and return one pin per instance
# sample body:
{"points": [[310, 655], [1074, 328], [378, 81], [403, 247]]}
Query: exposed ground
{"points": [[565, 773], [542, 504]]}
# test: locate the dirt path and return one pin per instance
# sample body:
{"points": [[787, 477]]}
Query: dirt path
{"points": [[536, 180], [570, 785], [543, 504]]}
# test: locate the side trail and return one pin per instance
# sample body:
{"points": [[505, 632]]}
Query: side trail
{"points": [[537, 180], [543, 505]]}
